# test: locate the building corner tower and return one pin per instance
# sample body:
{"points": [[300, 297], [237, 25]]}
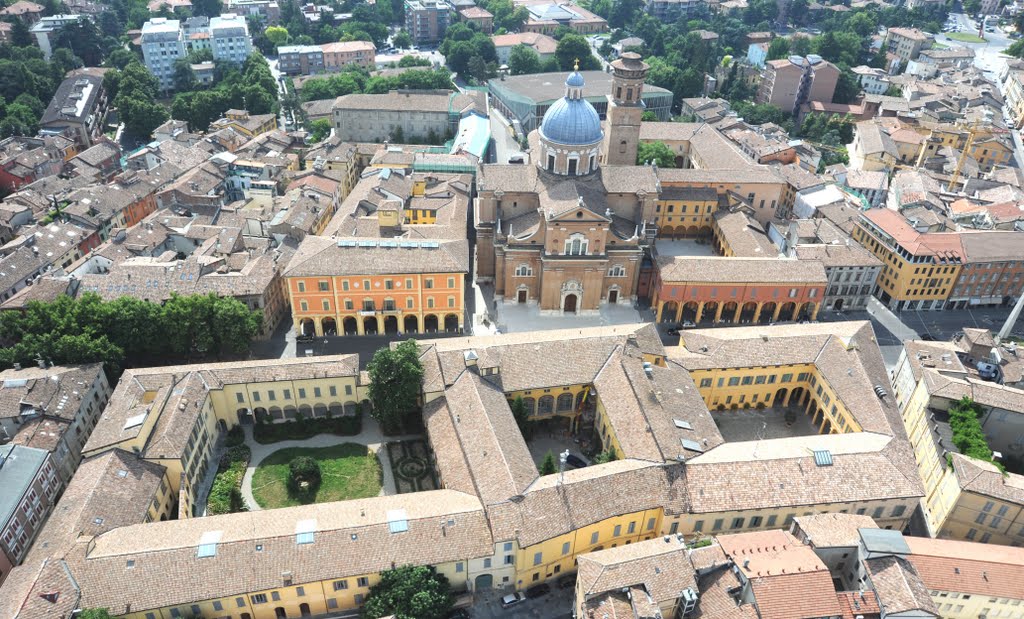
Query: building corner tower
{"points": [[625, 109]]}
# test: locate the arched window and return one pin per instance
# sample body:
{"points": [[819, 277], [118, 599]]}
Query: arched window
{"points": [[617, 270], [546, 405], [576, 245], [524, 270], [564, 402], [593, 164], [622, 146]]}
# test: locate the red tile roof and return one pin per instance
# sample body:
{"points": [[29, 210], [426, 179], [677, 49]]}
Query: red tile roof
{"points": [[967, 567]]}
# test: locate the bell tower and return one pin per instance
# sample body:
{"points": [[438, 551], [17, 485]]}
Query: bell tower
{"points": [[625, 109]]}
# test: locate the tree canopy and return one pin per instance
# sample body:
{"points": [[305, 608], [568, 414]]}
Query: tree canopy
{"points": [[133, 89], [251, 87], [409, 592], [127, 331], [657, 152], [395, 375]]}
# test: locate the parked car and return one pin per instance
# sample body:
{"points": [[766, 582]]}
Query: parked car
{"points": [[512, 599], [928, 337], [687, 324], [673, 331], [459, 613], [575, 462], [567, 582], [537, 591]]}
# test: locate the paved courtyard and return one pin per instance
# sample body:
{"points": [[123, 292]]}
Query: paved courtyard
{"points": [[516, 317], [543, 442], [752, 424], [554, 605], [688, 247]]}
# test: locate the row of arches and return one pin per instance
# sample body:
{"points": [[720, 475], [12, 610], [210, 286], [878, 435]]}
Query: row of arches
{"points": [[373, 325], [732, 312], [306, 411], [684, 232], [550, 405]]}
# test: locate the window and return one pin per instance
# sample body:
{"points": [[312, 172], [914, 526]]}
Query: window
{"points": [[302, 392], [538, 557], [327, 305], [358, 598], [344, 285], [524, 270], [389, 285], [593, 537], [340, 585], [617, 271], [333, 390], [877, 513], [323, 286], [617, 531], [271, 395], [632, 527], [287, 394], [565, 548], [698, 526], [259, 598], [300, 591], [717, 526], [332, 603], [175, 612], [240, 397], [451, 282], [303, 306], [650, 524], [302, 286], [240, 602], [428, 283], [734, 381], [487, 564], [576, 245], [275, 596], [705, 382], [771, 520], [737, 523], [755, 521], [362, 581]]}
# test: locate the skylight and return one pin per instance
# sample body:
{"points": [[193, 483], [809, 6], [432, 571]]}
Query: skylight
{"points": [[398, 521], [208, 544], [304, 530], [134, 420]]}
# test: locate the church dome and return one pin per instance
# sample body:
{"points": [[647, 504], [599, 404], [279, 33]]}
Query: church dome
{"points": [[572, 119]]}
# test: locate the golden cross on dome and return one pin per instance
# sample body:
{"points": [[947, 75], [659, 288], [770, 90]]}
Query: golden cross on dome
{"points": [[576, 67]]}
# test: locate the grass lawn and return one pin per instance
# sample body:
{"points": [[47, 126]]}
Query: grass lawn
{"points": [[348, 471], [964, 37]]}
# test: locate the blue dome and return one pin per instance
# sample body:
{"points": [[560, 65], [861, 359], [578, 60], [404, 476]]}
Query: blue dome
{"points": [[571, 121], [574, 80]]}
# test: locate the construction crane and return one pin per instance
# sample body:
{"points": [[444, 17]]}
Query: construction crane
{"points": [[972, 129]]}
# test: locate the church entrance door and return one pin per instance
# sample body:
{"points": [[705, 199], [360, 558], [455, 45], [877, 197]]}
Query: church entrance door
{"points": [[522, 296], [570, 304]]}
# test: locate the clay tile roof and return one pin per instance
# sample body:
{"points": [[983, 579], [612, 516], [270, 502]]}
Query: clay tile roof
{"points": [[967, 567], [899, 587], [831, 530]]}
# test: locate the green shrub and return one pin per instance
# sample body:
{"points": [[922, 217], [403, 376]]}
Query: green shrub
{"points": [[226, 494], [968, 436], [347, 425], [303, 477], [236, 436]]}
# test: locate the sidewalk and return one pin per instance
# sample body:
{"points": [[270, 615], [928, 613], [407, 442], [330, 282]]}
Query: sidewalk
{"points": [[370, 436]]}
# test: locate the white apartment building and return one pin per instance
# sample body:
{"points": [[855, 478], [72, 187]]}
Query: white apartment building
{"points": [[46, 29], [230, 40], [162, 44]]}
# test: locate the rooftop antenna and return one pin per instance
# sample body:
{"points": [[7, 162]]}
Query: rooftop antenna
{"points": [[562, 458]]}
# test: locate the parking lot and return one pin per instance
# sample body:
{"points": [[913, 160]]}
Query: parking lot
{"points": [[555, 605]]}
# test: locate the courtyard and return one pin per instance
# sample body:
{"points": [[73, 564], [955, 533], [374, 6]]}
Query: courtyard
{"points": [[753, 424], [515, 317], [698, 248], [551, 436], [348, 471], [411, 467]]}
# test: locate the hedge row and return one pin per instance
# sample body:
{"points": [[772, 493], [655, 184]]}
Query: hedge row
{"points": [[301, 429]]}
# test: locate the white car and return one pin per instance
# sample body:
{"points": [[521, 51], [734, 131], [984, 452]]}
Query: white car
{"points": [[512, 599]]}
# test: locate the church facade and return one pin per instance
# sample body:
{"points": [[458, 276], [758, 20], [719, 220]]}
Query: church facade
{"points": [[570, 231]]}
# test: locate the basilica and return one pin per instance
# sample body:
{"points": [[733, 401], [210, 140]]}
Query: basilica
{"points": [[570, 230]]}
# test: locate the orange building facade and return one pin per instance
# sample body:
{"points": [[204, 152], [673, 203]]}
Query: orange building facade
{"points": [[738, 290], [372, 304]]}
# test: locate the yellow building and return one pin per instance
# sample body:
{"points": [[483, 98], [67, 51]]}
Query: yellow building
{"points": [[969, 580], [249, 125], [496, 522], [337, 156], [919, 269], [686, 212]]}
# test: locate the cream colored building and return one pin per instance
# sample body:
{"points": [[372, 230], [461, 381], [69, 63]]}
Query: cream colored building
{"points": [[412, 116]]}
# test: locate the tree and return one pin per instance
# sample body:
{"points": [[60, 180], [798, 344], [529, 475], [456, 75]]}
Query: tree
{"points": [[522, 417], [549, 466], [409, 592], [523, 60], [303, 477], [778, 48], [93, 613], [608, 455], [319, 129], [395, 375], [209, 8], [657, 152], [120, 57], [278, 35], [83, 38], [406, 62], [402, 40], [184, 76], [574, 48]]}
